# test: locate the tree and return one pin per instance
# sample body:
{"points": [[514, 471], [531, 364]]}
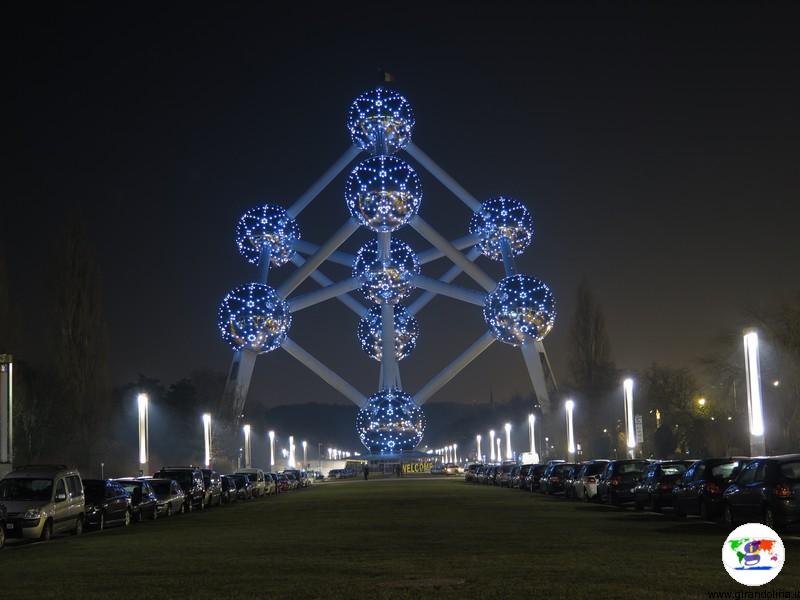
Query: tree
{"points": [[671, 393]]}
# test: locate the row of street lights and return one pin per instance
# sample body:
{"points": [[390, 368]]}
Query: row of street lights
{"points": [[448, 454]]}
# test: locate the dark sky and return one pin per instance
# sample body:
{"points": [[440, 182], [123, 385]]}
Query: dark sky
{"points": [[656, 146]]}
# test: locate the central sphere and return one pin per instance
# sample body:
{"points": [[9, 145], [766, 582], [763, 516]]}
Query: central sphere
{"points": [[380, 121], [370, 330], [520, 309], [383, 193], [500, 220], [390, 423], [267, 225], [386, 280], [253, 317]]}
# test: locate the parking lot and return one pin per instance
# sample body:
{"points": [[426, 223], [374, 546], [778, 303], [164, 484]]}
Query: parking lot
{"points": [[388, 538]]}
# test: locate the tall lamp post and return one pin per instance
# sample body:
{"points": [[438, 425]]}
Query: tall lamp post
{"points": [[478, 440], [305, 453], [754, 399], [455, 453], [499, 454], [569, 405], [532, 431], [292, 463], [491, 444], [508, 441], [144, 432], [630, 430], [207, 438], [247, 448], [271, 436]]}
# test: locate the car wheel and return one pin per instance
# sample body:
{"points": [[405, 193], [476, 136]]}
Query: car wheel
{"points": [[155, 513], [102, 521], [126, 520], [705, 514], [78, 526], [47, 531], [729, 520]]}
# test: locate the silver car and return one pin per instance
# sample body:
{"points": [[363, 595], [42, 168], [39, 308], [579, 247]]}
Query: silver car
{"points": [[43, 500]]}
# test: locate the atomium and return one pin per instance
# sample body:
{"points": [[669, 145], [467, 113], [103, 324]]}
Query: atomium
{"points": [[520, 309], [267, 225], [502, 219], [380, 121], [386, 280], [390, 423], [253, 317], [370, 332], [383, 193]]}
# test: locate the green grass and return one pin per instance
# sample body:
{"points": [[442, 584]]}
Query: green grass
{"points": [[395, 539]]}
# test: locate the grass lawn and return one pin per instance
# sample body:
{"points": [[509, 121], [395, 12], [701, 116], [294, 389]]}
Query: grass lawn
{"points": [[393, 538]]}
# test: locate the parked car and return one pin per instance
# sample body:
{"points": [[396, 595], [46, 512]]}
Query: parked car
{"points": [[298, 476], [42, 500], [502, 476], [228, 485], [618, 480], [655, 488], [767, 490], [144, 502], [244, 487], [553, 478], [534, 476], [191, 481], [518, 478], [213, 487], [453, 469], [699, 491], [292, 479], [169, 496], [571, 476], [256, 477], [3, 519], [273, 477], [283, 483], [107, 503], [584, 485], [437, 469], [470, 472]]}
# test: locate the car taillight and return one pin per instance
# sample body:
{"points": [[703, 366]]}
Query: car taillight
{"points": [[782, 490], [616, 480], [712, 488]]}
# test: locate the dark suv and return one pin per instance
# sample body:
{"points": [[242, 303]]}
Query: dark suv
{"points": [[699, 492], [767, 490], [618, 480], [213, 486], [191, 481]]}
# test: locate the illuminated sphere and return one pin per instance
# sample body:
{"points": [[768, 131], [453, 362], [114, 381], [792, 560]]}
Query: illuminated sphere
{"points": [[406, 330], [390, 423], [520, 309], [380, 121], [501, 219], [386, 280], [383, 193], [253, 317], [267, 225]]}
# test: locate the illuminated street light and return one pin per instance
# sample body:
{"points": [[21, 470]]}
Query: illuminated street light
{"points": [[305, 453], [478, 440], [144, 431], [499, 454], [292, 463], [508, 441], [207, 438], [776, 383], [247, 453], [455, 453], [570, 406], [271, 435], [701, 402], [627, 387], [754, 407], [284, 452], [491, 444], [330, 453], [532, 433]]}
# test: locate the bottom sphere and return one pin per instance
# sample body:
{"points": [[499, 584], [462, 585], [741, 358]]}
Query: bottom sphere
{"points": [[390, 423]]}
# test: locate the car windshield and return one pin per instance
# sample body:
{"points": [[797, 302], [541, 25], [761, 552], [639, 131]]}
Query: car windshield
{"points": [[161, 488], [594, 469], [791, 470], [130, 486], [631, 467], [38, 490], [182, 477], [724, 470], [252, 477], [676, 469]]}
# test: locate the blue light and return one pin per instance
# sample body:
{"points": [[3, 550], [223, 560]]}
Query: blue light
{"points": [[253, 317], [267, 225], [520, 309], [386, 280], [390, 423], [383, 193], [499, 219], [406, 330], [380, 121]]}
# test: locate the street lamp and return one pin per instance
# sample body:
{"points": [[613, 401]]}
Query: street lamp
{"points": [[247, 454], [754, 407], [627, 388], [508, 441], [499, 454], [305, 453], [701, 402], [330, 453], [455, 453], [144, 431], [570, 406], [478, 440], [532, 431], [491, 444], [207, 438], [292, 463], [271, 435]]}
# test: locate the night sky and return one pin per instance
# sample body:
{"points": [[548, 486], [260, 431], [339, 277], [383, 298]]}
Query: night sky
{"points": [[657, 148]]}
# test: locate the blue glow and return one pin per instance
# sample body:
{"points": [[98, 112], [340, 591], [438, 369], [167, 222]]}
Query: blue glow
{"points": [[380, 121], [391, 422], [253, 317], [383, 193], [520, 309], [386, 280], [370, 329], [499, 219], [267, 225]]}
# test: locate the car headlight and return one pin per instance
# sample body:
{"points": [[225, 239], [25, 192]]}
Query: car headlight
{"points": [[32, 513]]}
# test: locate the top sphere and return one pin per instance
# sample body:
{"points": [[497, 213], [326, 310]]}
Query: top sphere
{"points": [[267, 225], [502, 219], [383, 193], [380, 121], [520, 309]]}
